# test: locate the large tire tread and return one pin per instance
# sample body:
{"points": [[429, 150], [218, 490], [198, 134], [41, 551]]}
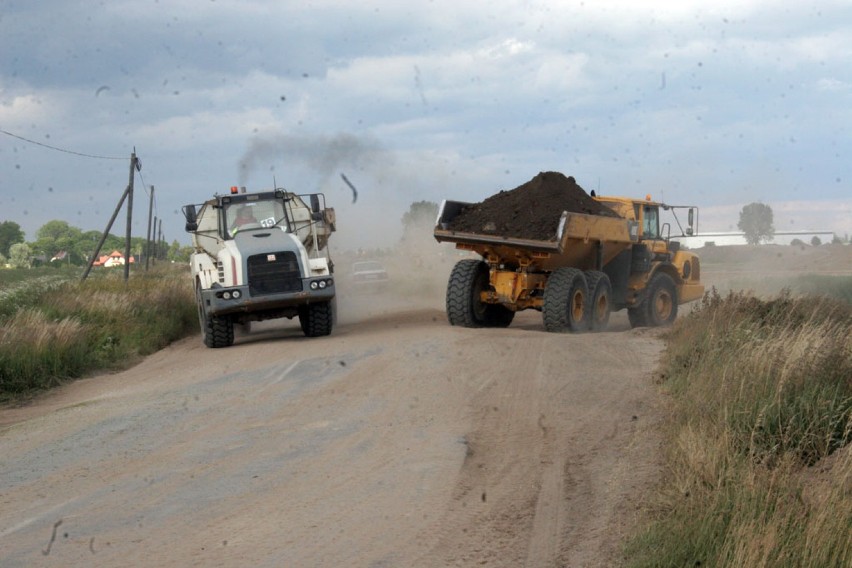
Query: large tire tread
{"points": [[460, 291], [220, 332], [558, 311], [600, 299], [464, 308], [659, 308], [317, 319], [216, 331], [662, 300]]}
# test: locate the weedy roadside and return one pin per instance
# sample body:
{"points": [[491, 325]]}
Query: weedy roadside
{"points": [[53, 329], [759, 461]]}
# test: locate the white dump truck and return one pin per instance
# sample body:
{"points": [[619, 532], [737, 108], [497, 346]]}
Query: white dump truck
{"points": [[259, 256]]}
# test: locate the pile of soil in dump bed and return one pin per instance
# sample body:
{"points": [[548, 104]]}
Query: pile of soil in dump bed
{"points": [[530, 211]]}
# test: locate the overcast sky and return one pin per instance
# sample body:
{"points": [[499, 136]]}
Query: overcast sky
{"points": [[716, 104]]}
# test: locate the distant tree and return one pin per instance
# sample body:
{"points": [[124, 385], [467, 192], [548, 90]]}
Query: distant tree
{"points": [[420, 213], [836, 240], [797, 243], [816, 241], [2, 261], [756, 222], [177, 253], [55, 236], [10, 233], [20, 255], [418, 221]]}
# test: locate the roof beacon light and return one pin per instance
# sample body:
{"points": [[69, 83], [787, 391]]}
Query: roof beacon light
{"points": [[234, 190], [648, 197]]}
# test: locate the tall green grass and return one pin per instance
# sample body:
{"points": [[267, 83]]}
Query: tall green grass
{"points": [[51, 330], [760, 467]]}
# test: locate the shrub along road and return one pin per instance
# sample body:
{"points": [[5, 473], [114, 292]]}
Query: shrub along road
{"points": [[397, 441]]}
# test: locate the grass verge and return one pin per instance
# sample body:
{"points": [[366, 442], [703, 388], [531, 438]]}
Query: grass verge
{"points": [[55, 329], [759, 460]]}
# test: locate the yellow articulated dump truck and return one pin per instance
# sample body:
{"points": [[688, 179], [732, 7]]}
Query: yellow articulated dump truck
{"points": [[611, 254]]}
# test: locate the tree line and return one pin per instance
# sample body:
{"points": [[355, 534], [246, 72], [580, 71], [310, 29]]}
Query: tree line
{"points": [[57, 237]]}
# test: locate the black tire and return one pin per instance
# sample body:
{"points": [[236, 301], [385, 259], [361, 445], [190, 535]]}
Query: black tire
{"points": [[316, 319], [468, 279], [638, 316], [216, 331], [600, 299], [659, 306], [566, 301], [662, 300]]}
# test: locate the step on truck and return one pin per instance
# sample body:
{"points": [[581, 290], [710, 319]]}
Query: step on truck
{"points": [[591, 266], [259, 256]]}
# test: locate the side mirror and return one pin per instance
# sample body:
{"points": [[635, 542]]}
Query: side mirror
{"points": [[691, 218], [315, 203], [191, 218]]}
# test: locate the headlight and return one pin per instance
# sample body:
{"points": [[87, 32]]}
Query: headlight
{"points": [[322, 284], [226, 295], [236, 294], [314, 285]]}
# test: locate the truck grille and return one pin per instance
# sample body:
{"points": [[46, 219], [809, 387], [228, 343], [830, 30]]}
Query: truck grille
{"points": [[274, 273]]}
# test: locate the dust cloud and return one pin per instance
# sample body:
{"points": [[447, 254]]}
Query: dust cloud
{"points": [[387, 182], [371, 228]]}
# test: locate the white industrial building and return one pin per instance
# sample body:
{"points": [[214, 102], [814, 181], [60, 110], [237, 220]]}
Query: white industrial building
{"points": [[734, 238]]}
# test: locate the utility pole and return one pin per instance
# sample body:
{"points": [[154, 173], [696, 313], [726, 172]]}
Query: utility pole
{"points": [[148, 234], [154, 241], [112, 220], [160, 240], [134, 165]]}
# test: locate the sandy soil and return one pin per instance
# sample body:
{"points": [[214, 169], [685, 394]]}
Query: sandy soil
{"points": [[397, 441]]}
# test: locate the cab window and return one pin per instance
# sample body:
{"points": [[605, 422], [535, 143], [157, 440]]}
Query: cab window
{"points": [[650, 222]]}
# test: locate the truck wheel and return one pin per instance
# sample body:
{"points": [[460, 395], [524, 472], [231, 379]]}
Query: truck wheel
{"points": [[600, 299], [565, 301], [316, 319], [216, 331], [468, 279], [659, 306], [662, 300]]}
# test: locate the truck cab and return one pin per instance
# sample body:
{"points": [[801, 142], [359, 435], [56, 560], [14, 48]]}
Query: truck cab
{"points": [[656, 253], [260, 256]]}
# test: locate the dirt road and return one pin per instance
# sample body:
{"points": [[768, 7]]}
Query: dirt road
{"points": [[398, 441]]}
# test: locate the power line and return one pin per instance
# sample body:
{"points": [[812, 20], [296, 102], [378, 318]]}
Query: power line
{"points": [[60, 149]]}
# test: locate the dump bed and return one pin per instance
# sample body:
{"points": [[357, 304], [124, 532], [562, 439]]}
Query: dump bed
{"points": [[579, 240]]}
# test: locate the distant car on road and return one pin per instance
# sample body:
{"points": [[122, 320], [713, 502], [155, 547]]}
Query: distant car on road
{"points": [[369, 275]]}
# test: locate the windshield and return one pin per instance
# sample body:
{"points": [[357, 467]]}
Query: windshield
{"points": [[241, 216]]}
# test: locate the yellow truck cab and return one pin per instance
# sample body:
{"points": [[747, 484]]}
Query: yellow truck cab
{"points": [[659, 252]]}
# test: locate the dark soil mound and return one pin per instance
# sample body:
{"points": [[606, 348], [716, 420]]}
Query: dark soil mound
{"points": [[531, 210]]}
